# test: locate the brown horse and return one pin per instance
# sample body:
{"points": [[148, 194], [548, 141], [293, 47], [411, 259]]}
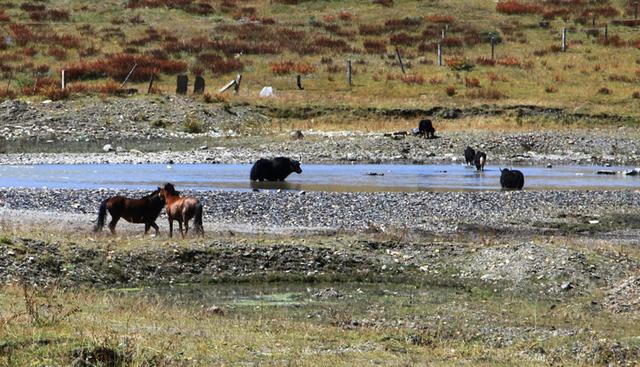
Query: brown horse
{"points": [[182, 209], [144, 210]]}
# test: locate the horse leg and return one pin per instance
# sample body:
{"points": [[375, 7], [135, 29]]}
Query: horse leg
{"points": [[146, 228], [186, 226], [112, 224], [180, 224], [170, 225], [155, 226]]}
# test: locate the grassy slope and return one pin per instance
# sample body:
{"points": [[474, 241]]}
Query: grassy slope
{"points": [[576, 75]]}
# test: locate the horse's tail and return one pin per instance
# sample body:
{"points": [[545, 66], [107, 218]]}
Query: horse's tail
{"points": [[197, 222], [102, 215]]}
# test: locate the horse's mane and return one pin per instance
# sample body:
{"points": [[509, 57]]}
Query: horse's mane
{"points": [[154, 192], [171, 189]]}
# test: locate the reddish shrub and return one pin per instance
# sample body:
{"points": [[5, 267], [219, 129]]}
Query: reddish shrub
{"points": [[21, 34], [485, 93], [6, 93], [435, 81], [371, 29], [508, 61], [403, 39], [412, 79], [514, 7], [452, 42], [28, 7], [332, 44], [345, 16], [374, 46], [57, 53], [117, 66], [4, 17], [286, 67], [428, 47], [472, 82], [225, 66], [604, 90], [450, 91], [402, 24], [485, 61]]}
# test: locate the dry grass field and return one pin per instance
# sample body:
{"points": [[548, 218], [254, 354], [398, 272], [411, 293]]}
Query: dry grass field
{"points": [[270, 42]]}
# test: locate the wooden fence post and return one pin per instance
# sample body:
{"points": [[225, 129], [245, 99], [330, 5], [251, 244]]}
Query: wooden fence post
{"points": [[129, 75], [349, 80], [493, 48], [299, 82], [635, 10], [153, 76], [62, 84], [564, 39], [439, 54], [606, 33], [236, 87], [400, 60]]}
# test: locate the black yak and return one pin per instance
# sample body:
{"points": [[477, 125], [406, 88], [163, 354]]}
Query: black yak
{"points": [[425, 128], [511, 179], [469, 155], [276, 169], [479, 160]]}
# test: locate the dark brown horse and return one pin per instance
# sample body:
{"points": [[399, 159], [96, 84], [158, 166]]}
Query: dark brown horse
{"points": [[144, 210], [182, 209]]}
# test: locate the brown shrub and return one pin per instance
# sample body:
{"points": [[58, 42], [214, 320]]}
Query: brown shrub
{"points": [[605, 90], [485, 93], [485, 61], [514, 7], [435, 81], [403, 39], [508, 61], [371, 29], [550, 89], [472, 82], [385, 3], [450, 91], [57, 53], [117, 66], [412, 79], [374, 47]]}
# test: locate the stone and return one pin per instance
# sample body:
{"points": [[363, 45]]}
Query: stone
{"points": [[296, 135], [198, 86], [107, 148], [182, 83]]}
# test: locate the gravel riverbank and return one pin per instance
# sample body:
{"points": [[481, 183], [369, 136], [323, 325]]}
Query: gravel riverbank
{"points": [[182, 130], [437, 212]]}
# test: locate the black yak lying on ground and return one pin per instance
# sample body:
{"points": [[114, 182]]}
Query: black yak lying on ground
{"points": [[469, 155], [479, 160], [511, 179], [425, 128], [276, 169]]}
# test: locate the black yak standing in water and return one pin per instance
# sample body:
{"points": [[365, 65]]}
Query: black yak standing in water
{"points": [[479, 160], [276, 169], [425, 128], [469, 155], [511, 179]]}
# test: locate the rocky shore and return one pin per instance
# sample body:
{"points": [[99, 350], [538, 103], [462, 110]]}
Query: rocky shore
{"points": [[548, 212], [182, 130]]}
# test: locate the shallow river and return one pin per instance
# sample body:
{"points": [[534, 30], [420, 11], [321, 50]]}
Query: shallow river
{"points": [[315, 177]]}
